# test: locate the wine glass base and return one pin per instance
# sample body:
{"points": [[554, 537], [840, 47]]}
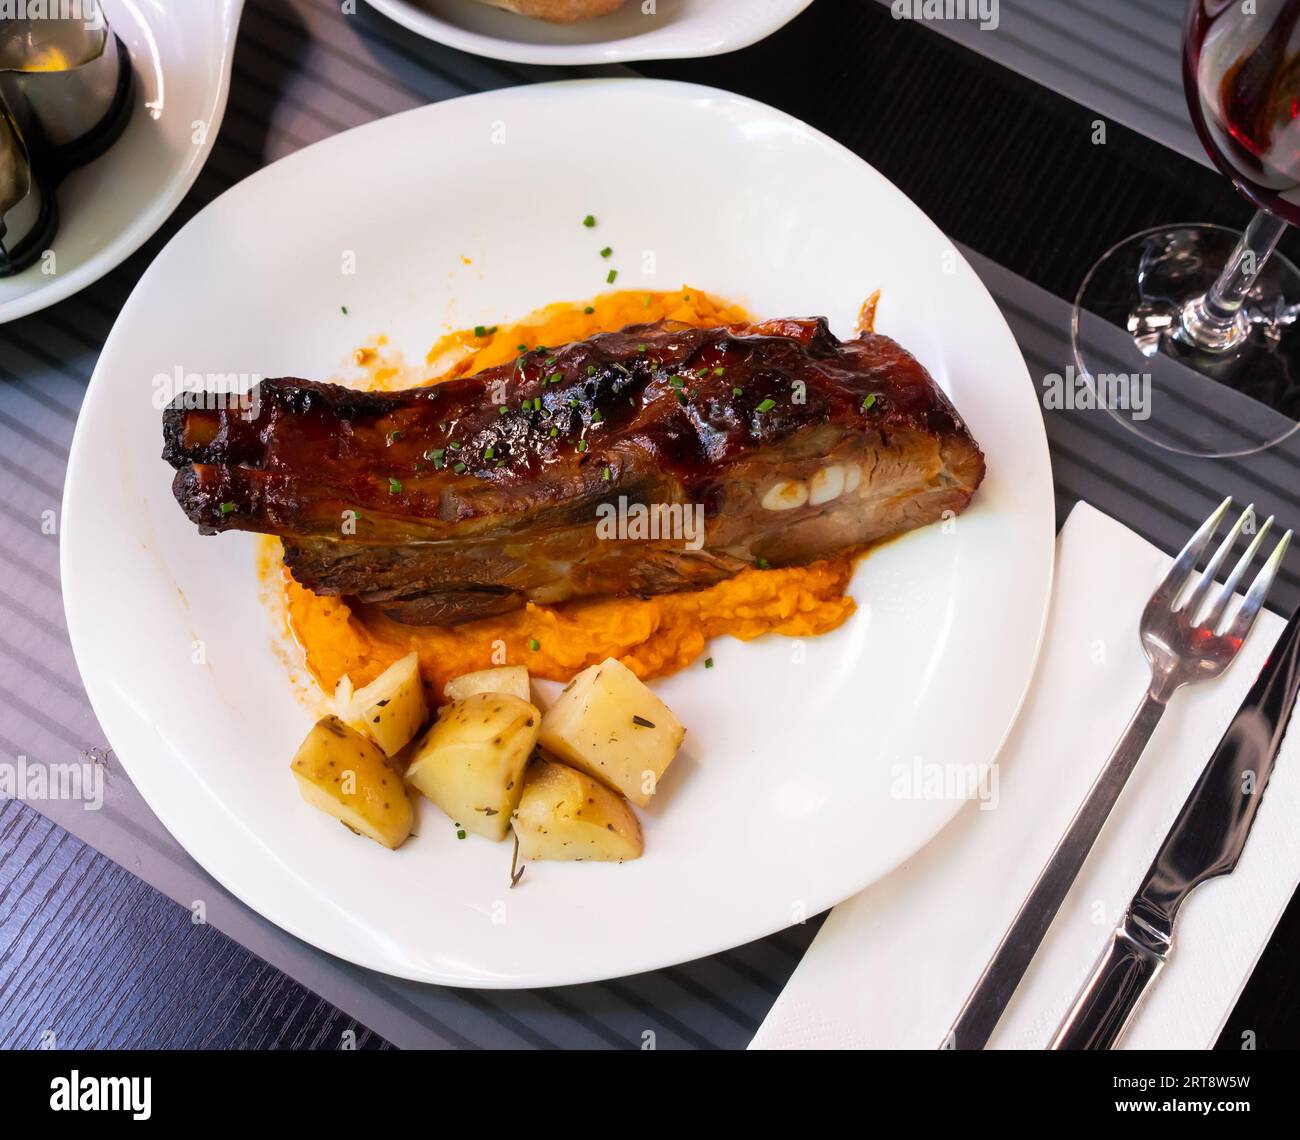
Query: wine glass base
{"points": [[1237, 399]]}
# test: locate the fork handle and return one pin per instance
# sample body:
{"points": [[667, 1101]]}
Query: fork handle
{"points": [[983, 1009]]}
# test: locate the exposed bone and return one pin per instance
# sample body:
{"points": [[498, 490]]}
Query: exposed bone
{"points": [[786, 495], [826, 485]]}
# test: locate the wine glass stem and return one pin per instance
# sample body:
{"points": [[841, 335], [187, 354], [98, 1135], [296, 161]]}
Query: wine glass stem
{"points": [[1216, 321]]}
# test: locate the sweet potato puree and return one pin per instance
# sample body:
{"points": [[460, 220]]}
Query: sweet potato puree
{"points": [[653, 636]]}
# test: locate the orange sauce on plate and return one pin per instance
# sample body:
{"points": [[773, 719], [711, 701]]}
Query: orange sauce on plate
{"points": [[652, 636]]}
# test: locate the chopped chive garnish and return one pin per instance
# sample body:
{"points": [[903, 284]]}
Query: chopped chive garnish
{"points": [[554, 432], [459, 469], [591, 370], [596, 417], [868, 402], [589, 221], [489, 453], [226, 508], [394, 485], [646, 303], [345, 309], [460, 833], [708, 662], [503, 409], [611, 277], [588, 310], [676, 381], [534, 644], [738, 391], [608, 475], [762, 564], [640, 348], [454, 446], [718, 371], [582, 445], [435, 453], [554, 378], [606, 251], [537, 403], [766, 406], [480, 330], [643, 722], [521, 348], [394, 436]]}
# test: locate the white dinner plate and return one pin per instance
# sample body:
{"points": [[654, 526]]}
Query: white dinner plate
{"points": [[670, 29], [804, 777], [181, 51]]}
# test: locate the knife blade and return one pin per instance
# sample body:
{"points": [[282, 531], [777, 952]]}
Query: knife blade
{"points": [[1206, 841]]}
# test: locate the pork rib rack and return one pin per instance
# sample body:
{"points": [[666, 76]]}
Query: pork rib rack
{"points": [[655, 459]]}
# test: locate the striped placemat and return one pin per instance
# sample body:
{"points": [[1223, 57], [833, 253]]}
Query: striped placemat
{"points": [[301, 74], [1120, 58]]}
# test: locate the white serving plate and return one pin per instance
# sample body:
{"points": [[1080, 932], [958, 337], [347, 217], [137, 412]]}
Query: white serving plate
{"points": [[784, 801], [182, 52], [675, 29]]}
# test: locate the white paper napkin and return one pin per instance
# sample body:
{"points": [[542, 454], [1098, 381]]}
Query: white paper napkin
{"points": [[891, 967]]}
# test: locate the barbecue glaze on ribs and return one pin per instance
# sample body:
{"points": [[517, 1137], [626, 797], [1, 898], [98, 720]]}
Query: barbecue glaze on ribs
{"points": [[468, 498]]}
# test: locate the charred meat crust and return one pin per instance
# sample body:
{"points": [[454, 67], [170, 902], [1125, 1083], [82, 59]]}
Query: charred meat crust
{"points": [[469, 497]]}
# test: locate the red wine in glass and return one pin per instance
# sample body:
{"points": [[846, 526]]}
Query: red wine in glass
{"points": [[1201, 321], [1241, 72]]}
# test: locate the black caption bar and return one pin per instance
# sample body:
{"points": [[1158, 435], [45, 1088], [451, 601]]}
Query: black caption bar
{"points": [[143, 1087]]}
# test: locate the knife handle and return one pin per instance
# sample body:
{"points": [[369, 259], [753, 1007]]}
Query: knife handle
{"points": [[1107, 1002]]}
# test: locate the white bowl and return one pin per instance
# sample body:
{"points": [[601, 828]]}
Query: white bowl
{"points": [[181, 52]]}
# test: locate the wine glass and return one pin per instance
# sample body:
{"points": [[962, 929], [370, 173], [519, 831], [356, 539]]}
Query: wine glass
{"points": [[1187, 334]]}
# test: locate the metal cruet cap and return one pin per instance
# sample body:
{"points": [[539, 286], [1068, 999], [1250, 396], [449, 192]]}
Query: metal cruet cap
{"points": [[28, 215], [67, 80]]}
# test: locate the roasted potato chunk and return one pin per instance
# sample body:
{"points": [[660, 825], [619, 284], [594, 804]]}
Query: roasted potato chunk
{"points": [[471, 762], [565, 814], [346, 776], [609, 725], [512, 679], [391, 708]]}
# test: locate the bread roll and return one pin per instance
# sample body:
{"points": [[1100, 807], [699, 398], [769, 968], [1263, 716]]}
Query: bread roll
{"points": [[557, 11]]}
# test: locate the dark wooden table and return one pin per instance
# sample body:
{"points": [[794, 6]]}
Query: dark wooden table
{"points": [[1002, 165]]}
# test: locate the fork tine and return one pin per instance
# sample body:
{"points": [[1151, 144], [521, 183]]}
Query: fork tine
{"points": [[1258, 591], [1211, 621], [1185, 563], [1202, 588]]}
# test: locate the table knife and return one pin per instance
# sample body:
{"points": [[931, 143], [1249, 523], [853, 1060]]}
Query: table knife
{"points": [[1205, 841]]}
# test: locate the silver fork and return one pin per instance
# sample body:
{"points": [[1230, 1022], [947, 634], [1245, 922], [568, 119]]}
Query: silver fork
{"points": [[1183, 646]]}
